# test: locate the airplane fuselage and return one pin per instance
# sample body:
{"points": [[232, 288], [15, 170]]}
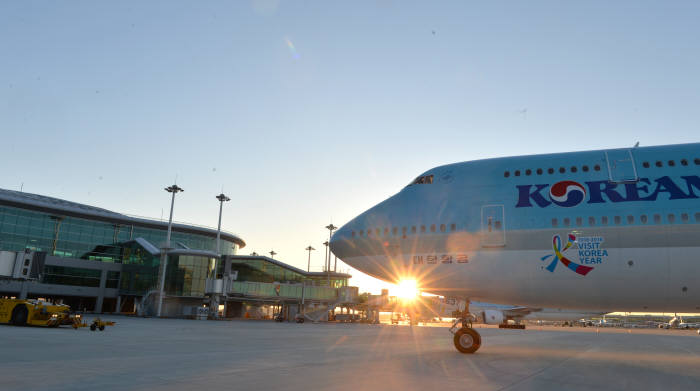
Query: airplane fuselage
{"points": [[615, 230]]}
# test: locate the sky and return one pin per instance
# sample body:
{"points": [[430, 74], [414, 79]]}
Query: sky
{"points": [[307, 113]]}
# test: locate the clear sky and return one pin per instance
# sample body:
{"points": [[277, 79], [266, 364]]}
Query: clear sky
{"points": [[311, 112]]}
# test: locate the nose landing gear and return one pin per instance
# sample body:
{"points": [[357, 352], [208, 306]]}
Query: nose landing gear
{"points": [[466, 339]]}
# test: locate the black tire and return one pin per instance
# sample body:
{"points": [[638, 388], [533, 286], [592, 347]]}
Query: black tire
{"points": [[467, 340], [102, 328], [93, 327], [19, 315]]}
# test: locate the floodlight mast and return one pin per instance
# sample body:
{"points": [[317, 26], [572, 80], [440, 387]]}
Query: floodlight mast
{"points": [[330, 227], [308, 265], [222, 198], [174, 189]]}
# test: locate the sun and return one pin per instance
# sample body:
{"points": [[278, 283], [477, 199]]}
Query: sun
{"points": [[406, 289]]}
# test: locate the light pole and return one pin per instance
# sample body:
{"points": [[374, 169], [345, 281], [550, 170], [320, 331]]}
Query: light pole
{"points": [[222, 198], [308, 265], [328, 250], [174, 189], [272, 254], [330, 227]]}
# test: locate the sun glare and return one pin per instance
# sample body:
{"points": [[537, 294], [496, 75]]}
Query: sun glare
{"points": [[406, 289]]}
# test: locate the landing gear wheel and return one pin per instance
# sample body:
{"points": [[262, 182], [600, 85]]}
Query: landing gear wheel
{"points": [[19, 315], [102, 328], [467, 340], [93, 327]]}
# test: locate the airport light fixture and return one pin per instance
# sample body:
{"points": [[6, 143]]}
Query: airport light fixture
{"points": [[308, 265], [330, 227], [174, 189], [272, 254], [222, 198]]}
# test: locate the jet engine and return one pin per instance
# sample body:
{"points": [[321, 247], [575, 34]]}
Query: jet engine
{"points": [[493, 317]]}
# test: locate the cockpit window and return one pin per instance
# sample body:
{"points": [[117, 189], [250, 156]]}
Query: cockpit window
{"points": [[423, 180]]}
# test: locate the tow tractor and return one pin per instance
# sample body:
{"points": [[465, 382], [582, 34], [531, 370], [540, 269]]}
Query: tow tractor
{"points": [[30, 312]]}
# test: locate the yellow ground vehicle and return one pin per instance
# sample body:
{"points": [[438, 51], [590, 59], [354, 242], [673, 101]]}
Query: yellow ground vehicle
{"points": [[32, 312], [97, 323]]}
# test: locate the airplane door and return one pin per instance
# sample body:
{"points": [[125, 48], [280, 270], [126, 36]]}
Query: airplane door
{"points": [[493, 226], [621, 167]]}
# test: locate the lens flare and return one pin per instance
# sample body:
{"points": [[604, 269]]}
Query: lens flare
{"points": [[292, 49], [406, 289]]}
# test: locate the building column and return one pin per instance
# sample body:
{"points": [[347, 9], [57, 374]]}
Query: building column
{"points": [[119, 304], [101, 294]]}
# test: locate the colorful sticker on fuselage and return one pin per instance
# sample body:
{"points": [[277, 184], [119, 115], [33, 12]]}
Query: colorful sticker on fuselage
{"points": [[589, 252]]}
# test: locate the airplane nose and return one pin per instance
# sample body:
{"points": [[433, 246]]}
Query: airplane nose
{"points": [[341, 245]]}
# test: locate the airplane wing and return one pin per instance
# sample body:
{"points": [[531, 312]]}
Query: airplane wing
{"points": [[516, 312]]}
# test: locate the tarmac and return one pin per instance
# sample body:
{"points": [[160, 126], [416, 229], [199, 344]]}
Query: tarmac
{"points": [[174, 354]]}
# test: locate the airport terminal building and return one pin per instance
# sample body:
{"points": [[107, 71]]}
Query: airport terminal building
{"points": [[98, 260]]}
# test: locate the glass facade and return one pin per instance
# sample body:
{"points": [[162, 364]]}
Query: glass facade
{"points": [[71, 276], [257, 269], [88, 239], [83, 238], [187, 274]]}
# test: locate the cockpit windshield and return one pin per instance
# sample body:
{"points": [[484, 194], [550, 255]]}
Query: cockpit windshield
{"points": [[422, 180]]}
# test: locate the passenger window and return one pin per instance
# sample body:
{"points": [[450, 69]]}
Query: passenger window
{"points": [[386, 231], [453, 227], [684, 162], [539, 171], [630, 219], [528, 172], [353, 234], [369, 232], [395, 231], [403, 231], [413, 229], [362, 232], [506, 174], [567, 222], [645, 164], [554, 222], [585, 168], [579, 221], [684, 217], [697, 161], [422, 228], [596, 167], [591, 221], [574, 169], [671, 163], [643, 219], [697, 217], [562, 170], [432, 228], [517, 172], [617, 220], [671, 218], [550, 170], [659, 164], [657, 219], [442, 228], [604, 220]]}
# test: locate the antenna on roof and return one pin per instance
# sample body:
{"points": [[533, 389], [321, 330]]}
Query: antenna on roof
{"points": [[636, 145]]}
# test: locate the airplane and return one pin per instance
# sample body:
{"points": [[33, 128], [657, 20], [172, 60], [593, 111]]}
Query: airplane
{"points": [[497, 314], [609, 230], [677, 323]]}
